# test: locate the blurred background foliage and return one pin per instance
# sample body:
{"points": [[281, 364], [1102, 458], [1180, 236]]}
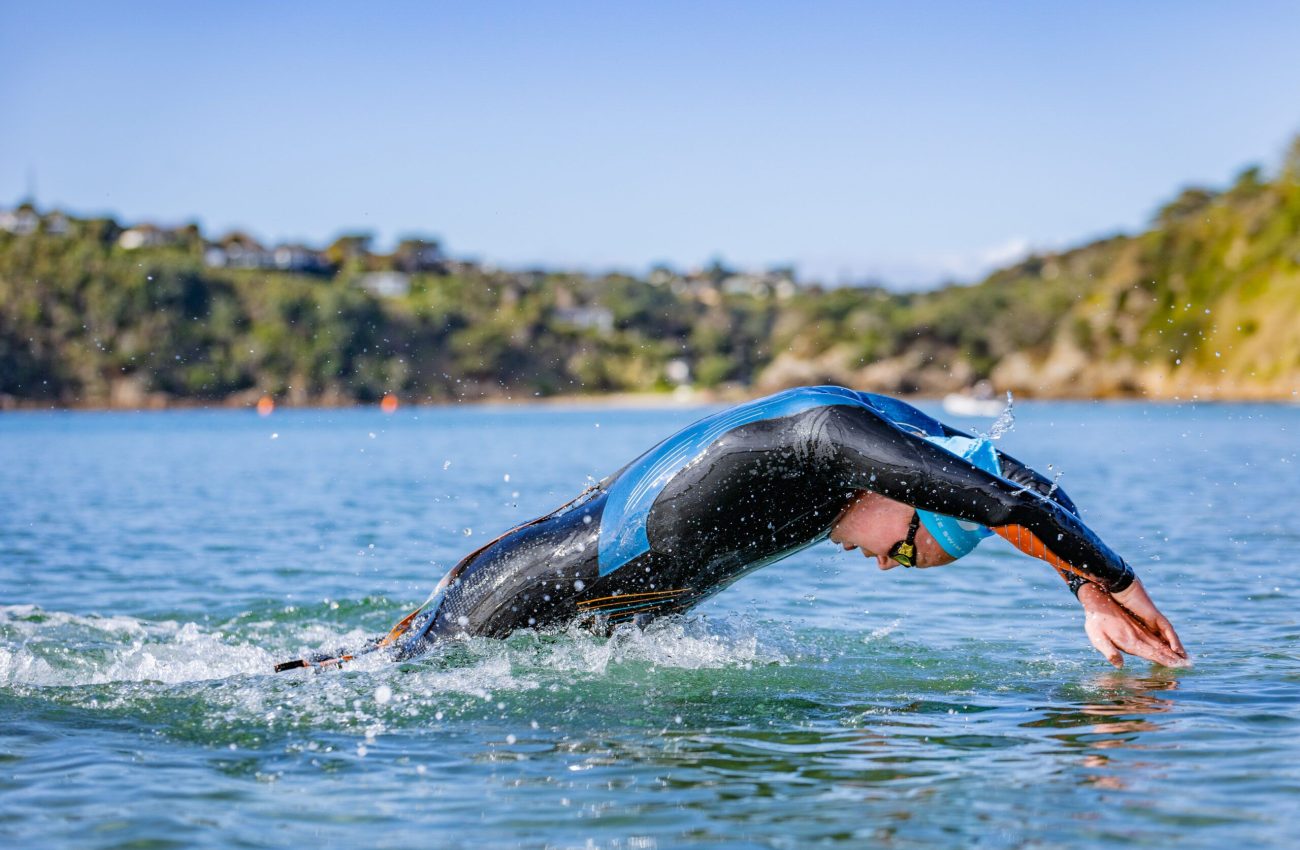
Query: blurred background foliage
{"points": [[1206, 303]]}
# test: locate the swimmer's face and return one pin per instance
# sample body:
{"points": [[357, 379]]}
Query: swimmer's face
{"points": [[873, 524]]}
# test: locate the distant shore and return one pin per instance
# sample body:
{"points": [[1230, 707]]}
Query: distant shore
{"points": [[622, 399], [1200, 306], [694, 398]]}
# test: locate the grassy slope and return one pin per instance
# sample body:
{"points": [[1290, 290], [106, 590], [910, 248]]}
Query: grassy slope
{"points": [[1205, 303]]}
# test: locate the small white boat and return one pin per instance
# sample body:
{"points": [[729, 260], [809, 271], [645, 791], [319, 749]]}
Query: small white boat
{"points": [[978, 401]]}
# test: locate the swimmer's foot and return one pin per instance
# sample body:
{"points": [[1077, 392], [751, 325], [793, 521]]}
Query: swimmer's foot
{"points": [[318, 661], [327, 661]]}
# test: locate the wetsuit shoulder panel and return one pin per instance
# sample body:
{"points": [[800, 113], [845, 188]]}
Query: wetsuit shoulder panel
{"points": [[630, 497]]}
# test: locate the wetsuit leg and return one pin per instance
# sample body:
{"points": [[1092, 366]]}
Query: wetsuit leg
{"points": [[529, 578]]}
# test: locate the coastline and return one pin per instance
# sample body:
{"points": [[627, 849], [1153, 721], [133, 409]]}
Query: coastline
{"points": [[649, 400]]}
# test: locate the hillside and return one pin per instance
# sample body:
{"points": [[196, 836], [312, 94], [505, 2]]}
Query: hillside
{"points": [[1205, 303]]}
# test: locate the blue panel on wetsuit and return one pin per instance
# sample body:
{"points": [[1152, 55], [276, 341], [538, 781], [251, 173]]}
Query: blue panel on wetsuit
{"points": [[904, 415], [623, 521]]}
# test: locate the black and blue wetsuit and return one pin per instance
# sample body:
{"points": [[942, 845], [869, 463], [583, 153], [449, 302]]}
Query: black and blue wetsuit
{"points": [[734, 492]]}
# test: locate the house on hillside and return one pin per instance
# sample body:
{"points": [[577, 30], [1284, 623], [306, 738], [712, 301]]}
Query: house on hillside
{"points": [[143, 236], [57, 224], [21, 222], [386, 284], [238, 251], [298, 258], [745, 284], [419, 255], [761, 284], [700, 286], [463, 267], [662, 276], [598, 319]]}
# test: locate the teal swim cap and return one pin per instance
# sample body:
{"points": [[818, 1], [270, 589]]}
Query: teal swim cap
{"points": [[958, 536]]}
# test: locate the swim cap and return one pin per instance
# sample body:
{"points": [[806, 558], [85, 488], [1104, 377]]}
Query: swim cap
{"points": [[958, 536]]}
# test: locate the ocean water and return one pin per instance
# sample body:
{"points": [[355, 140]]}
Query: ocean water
{"points": [[153, 567]]}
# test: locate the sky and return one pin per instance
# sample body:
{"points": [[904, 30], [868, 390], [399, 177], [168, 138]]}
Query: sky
{"points": [[907, 142]]}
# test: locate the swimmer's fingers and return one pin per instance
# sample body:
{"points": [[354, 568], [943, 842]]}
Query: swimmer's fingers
{"points": [[1111, 627], [1166, 630], [1135, 600], [1101, 643], [1139, 642]]}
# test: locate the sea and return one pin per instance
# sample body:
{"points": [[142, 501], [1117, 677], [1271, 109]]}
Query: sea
{"points": [[154, 566]]}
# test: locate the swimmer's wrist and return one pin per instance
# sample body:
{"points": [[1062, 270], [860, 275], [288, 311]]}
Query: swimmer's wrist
{"points": [[1125, 585], [1089, 592], [1127, 589], [1133, 588]]}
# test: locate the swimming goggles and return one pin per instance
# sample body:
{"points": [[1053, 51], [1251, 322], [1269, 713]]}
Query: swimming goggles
{"points": [[904, 551]]}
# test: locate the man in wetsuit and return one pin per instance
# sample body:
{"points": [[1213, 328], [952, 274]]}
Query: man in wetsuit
{"points": [[755, 483]]}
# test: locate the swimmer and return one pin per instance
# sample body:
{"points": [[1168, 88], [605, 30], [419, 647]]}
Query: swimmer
{"points": [[753, 484]]}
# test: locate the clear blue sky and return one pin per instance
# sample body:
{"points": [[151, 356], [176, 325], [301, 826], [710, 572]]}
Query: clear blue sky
{"points": [[908, 140]]}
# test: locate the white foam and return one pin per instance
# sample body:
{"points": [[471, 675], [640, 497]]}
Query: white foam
{"points": [[882, 632], [59, 649], [690, 643]]}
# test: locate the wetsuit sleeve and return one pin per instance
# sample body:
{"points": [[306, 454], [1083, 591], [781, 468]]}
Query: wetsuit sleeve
{"points": [[883, 458], [895, 410], [1017, 472]]}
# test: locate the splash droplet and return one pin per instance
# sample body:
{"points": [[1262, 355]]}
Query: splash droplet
{"points": [[1006, 420]]}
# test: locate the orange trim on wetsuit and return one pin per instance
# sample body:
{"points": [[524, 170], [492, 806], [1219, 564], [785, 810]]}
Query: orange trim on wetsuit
{"points": [[1026, 541]]}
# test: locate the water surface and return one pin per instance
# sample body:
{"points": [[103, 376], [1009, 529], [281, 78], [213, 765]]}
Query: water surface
{"points": [[153, 567]]}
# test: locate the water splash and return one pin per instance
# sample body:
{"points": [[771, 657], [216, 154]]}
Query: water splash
{"points": [[687, 643], [57, 649], [1056, 483], [882, 632], [1005, 422], [125, 656]]}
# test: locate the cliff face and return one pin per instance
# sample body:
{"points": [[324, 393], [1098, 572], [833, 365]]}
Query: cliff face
{"points": [[1204, 304]]}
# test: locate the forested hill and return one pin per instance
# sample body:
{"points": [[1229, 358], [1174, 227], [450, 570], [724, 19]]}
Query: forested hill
{"points": [[1205, 303]]}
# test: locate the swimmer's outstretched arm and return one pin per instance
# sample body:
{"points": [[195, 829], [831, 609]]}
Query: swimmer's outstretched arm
{"points": [[888, 460], [880, 457], [1109, 627]]}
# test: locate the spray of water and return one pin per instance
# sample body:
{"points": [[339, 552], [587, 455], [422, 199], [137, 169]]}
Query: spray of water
{"points": [[55, 649], [1005, 422]]}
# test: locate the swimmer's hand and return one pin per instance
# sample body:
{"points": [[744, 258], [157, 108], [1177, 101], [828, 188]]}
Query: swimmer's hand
{"points": [[1130, 622]]}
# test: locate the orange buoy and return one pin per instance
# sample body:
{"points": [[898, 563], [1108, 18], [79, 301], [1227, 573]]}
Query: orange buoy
{"points": [[265, 405], [389, 404]]}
